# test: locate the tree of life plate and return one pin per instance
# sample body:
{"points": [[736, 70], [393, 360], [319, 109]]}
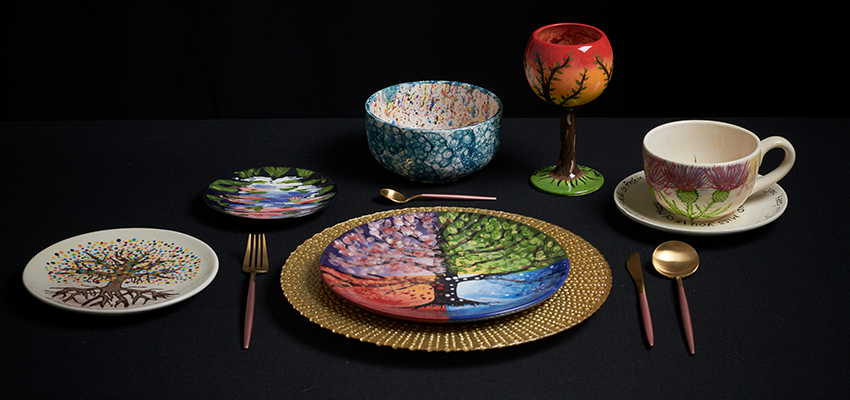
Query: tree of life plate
{"points": [[121, 271], [444, 266]]}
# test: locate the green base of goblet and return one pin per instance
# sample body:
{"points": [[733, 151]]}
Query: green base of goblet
{"points": [[589, 183]]}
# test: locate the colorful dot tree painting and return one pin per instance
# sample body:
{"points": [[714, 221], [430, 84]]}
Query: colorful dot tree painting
{"points": [[119, 273], [444, 266]]}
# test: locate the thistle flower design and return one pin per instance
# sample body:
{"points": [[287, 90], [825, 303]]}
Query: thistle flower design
{"points": [[655, 171], [728, 177], [687, 180]]}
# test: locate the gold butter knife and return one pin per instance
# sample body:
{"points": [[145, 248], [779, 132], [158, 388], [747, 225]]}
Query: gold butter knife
{"points": [[634, 267]]}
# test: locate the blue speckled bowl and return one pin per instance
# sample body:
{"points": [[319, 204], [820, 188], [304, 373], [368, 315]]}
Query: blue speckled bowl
{"points": [[433, 131]]}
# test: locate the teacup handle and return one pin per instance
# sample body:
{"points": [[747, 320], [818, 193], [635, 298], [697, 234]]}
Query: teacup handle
{"points": [[774, 142]]}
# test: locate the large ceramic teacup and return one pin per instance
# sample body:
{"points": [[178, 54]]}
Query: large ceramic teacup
{"points": [[705, 170]]}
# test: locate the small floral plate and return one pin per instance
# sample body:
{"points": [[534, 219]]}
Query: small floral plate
{"points": [[634, 199], [271, 193]]}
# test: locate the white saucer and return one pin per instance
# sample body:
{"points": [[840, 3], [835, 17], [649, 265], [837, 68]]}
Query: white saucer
{"points": [[635, 200]]}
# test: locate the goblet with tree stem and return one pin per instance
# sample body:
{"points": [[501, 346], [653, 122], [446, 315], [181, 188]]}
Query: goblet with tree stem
{"points": [[568, 65]]}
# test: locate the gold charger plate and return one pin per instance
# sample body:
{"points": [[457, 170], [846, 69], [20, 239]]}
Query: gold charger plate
{"points": [[586, 288]]}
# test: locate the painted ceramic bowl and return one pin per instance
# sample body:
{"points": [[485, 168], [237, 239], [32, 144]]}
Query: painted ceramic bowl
{"points": [[433, 131]]}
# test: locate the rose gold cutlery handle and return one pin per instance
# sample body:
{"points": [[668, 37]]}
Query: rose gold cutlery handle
{"points": [[647, 319], [686, 316], [635, 270], [457, 197], [249, 313]]}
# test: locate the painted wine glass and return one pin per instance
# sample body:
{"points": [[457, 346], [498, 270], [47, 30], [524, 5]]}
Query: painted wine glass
{"points": [[568, 65]]}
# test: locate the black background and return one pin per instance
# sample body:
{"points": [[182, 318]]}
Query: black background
{"points": [[165, 97], [277, 59]]}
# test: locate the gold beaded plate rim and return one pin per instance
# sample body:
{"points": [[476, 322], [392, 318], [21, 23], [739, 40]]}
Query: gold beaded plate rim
{"points": [[582, 294]]}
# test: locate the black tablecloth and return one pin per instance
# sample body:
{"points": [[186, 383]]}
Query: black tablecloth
{"points": [[769, 309]]}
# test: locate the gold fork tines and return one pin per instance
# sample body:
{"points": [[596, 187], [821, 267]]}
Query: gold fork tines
{"points": [[256, 262], [256, 257]]}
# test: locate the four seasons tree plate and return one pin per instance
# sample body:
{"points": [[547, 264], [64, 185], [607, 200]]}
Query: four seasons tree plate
{"points": [[444, 266], [271, 193], [121, 271]]}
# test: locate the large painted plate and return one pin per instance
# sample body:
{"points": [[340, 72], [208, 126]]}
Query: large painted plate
{"points": [[271, 193], [444, 266], [121, 271]]}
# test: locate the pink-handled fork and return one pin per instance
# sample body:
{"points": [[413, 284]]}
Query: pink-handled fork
{"points": [[256, 262]]}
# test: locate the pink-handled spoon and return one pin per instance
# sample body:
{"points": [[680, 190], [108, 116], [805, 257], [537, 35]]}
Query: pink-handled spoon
{"points": [[675, 259], [397, 197]]}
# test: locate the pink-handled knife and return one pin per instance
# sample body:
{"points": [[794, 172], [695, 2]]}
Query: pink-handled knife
{"points": [[634, 267]]}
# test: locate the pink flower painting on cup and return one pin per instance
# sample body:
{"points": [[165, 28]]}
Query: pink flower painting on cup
{"points": [[686, 178], [681, 186], [728, 177], [701, 171]]}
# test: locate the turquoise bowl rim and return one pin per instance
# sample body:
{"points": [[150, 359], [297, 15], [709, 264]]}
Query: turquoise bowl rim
{"points": [[496, 115]]}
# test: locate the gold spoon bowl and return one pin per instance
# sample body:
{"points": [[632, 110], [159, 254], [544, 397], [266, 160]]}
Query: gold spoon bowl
{"points": [[675, 259]]}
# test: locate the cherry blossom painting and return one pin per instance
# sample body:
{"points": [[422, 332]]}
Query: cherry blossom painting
{"points": [[444, 267]]}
